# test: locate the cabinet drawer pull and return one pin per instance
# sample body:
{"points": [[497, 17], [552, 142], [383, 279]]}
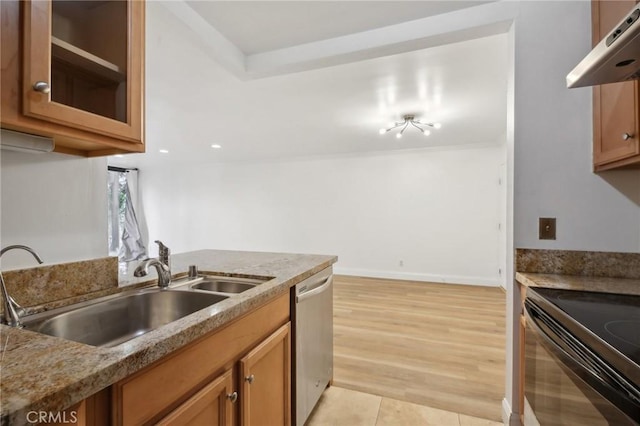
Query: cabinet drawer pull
{"points": [[42, 87], [233, 397], [627, 136], [250, 378]]}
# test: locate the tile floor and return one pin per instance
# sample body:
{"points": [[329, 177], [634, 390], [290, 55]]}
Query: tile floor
{"points": [[343, 407]]}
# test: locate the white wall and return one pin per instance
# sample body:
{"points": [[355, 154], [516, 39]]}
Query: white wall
{"points": [[553, 134], [428, 209], [54, 203], [512, 314], [435, 210]]}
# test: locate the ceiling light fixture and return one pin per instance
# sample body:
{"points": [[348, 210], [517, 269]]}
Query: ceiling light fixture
{"points": [[216, 146], [163, 151], [410, 119]]}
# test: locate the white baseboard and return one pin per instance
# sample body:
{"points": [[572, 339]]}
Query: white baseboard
{"points": [[509, 418], [413, 276]]}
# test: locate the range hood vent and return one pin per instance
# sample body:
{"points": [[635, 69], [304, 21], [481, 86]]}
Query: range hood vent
{"points": [[24, 142], [616, 58]]}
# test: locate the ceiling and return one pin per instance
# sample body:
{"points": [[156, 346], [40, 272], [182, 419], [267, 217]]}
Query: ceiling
{"points": [[261, 26], [323, 110]]}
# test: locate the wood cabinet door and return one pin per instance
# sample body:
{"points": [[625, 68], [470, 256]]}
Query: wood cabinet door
{"points": [[616, 112], [93, 411], [83, 65], [212, 405], [265, 373]]}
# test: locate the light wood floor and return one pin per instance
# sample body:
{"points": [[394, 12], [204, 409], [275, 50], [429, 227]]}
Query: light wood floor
{"points": [[440, 345]]}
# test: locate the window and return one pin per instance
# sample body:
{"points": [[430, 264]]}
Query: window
{"points": [[125, 239]]}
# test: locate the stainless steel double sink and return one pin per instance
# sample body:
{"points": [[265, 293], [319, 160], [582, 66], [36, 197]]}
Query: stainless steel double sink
{"points": [[112, 320]]}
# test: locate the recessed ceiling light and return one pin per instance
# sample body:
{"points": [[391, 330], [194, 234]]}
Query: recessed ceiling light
{"points": [[216, 146], [164, 151]]}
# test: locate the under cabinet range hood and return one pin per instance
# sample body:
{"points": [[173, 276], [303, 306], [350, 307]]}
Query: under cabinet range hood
{"points": [[616, 58], [24, 142]]}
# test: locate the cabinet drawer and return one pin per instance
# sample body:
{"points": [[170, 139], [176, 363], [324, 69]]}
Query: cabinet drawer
{"points": [[158, 389]]}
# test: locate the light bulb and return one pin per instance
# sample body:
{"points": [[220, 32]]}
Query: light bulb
{"points": [[437, 125], [426, 132], [382, 131], [398, 135]]}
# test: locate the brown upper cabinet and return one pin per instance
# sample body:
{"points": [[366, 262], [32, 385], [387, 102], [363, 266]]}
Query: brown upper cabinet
{"points": [[616, 106], [74, 71]]}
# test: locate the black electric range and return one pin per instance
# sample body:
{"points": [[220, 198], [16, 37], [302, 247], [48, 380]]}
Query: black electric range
{"points": [[596, 339], [608, 323]]}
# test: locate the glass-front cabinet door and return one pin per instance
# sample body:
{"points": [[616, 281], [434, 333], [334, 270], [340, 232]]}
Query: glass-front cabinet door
{"points": [[83, 65]]}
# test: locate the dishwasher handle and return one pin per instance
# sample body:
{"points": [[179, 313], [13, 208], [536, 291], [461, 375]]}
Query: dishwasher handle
{"points": [[314, 292]]}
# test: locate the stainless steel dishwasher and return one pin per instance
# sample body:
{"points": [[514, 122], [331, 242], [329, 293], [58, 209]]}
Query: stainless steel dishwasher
{"points": [[313, 320]]}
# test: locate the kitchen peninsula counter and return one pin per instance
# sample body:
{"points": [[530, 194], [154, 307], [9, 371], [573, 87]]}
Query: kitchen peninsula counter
{"points": [[44, 373]]}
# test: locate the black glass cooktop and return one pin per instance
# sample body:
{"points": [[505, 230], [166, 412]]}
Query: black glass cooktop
{"points": [[615, 318]]}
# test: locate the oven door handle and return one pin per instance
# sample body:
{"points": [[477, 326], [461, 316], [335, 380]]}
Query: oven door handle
{"points": [[536, 315], [599, 375]]}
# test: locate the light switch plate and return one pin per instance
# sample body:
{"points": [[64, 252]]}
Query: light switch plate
{"points": [[547, 228]]}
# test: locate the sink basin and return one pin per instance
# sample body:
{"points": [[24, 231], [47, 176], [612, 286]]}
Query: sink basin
{"points": [[223, 285], [118, 319]]}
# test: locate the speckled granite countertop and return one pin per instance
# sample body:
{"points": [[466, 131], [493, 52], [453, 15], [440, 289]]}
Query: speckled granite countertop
{"points": [[39, 372], [578, 282]]}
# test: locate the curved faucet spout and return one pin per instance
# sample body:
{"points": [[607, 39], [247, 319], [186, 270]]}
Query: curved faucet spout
{"points": [[164, 274], [21, 247], [11, 308]]}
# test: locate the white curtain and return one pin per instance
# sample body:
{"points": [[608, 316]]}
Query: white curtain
{"points": [[125, 238]]}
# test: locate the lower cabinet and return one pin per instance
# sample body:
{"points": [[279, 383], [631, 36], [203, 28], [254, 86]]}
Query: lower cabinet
{"points": [[93, 411], [265, 372], [237, 375], [522, 325], [213, 405], [264, 396]]}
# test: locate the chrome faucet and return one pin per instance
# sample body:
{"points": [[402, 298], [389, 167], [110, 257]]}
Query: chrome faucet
{"points": [[12, 310], [163, 254], [164, 274]]}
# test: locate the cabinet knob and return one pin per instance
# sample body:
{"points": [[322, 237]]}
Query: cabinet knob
{"points": [[250, 379], [42, 87], [233, 397], [627, 136]]}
